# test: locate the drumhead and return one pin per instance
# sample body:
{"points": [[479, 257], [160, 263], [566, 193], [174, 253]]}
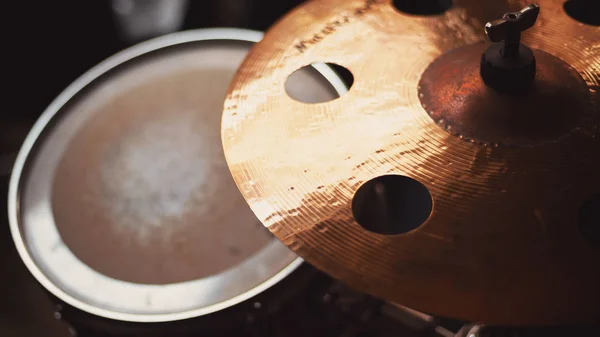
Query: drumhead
{"points": [[121, 203]]}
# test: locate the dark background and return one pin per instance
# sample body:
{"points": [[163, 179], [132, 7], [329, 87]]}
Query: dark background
{"points": [[51, 43]]}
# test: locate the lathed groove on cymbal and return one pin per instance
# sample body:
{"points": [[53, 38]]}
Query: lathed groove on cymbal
{"points": [[501, 244]]}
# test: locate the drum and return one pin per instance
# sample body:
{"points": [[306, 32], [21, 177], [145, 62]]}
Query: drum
{"points": [[121, 204]]}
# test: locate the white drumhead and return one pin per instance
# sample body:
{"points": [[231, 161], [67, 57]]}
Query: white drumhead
{"points": [[121, 203]]}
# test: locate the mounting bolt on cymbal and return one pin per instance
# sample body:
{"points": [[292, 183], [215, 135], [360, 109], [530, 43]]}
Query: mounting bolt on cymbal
{"points": [[509, 66]]}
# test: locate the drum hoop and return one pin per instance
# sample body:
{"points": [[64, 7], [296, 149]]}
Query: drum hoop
{"points": [[197, 290]]}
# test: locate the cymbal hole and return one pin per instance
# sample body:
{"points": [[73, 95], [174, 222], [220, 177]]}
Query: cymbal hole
{"points": [[589, 220], [584, 11], [423, 7], [296, 83], [392, 204]]}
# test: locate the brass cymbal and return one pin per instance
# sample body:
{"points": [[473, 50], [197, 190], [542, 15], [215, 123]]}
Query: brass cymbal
{"points": [[501, 243]]}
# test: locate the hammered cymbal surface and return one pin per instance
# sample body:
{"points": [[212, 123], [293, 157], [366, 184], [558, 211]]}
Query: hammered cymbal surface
{"points": [[502, 243]]}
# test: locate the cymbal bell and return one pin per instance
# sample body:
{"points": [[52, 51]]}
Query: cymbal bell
{"points": [[481, 224]]}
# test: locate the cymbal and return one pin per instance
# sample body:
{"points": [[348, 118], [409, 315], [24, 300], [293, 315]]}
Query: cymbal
{"points": [[484, 223]]}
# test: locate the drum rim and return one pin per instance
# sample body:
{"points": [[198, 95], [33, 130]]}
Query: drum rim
{"points": [[27, 152]]}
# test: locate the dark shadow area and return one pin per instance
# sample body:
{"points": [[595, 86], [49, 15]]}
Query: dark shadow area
{"points": [[589, 220], [584, 11], [392, 204], [423, 7]]}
